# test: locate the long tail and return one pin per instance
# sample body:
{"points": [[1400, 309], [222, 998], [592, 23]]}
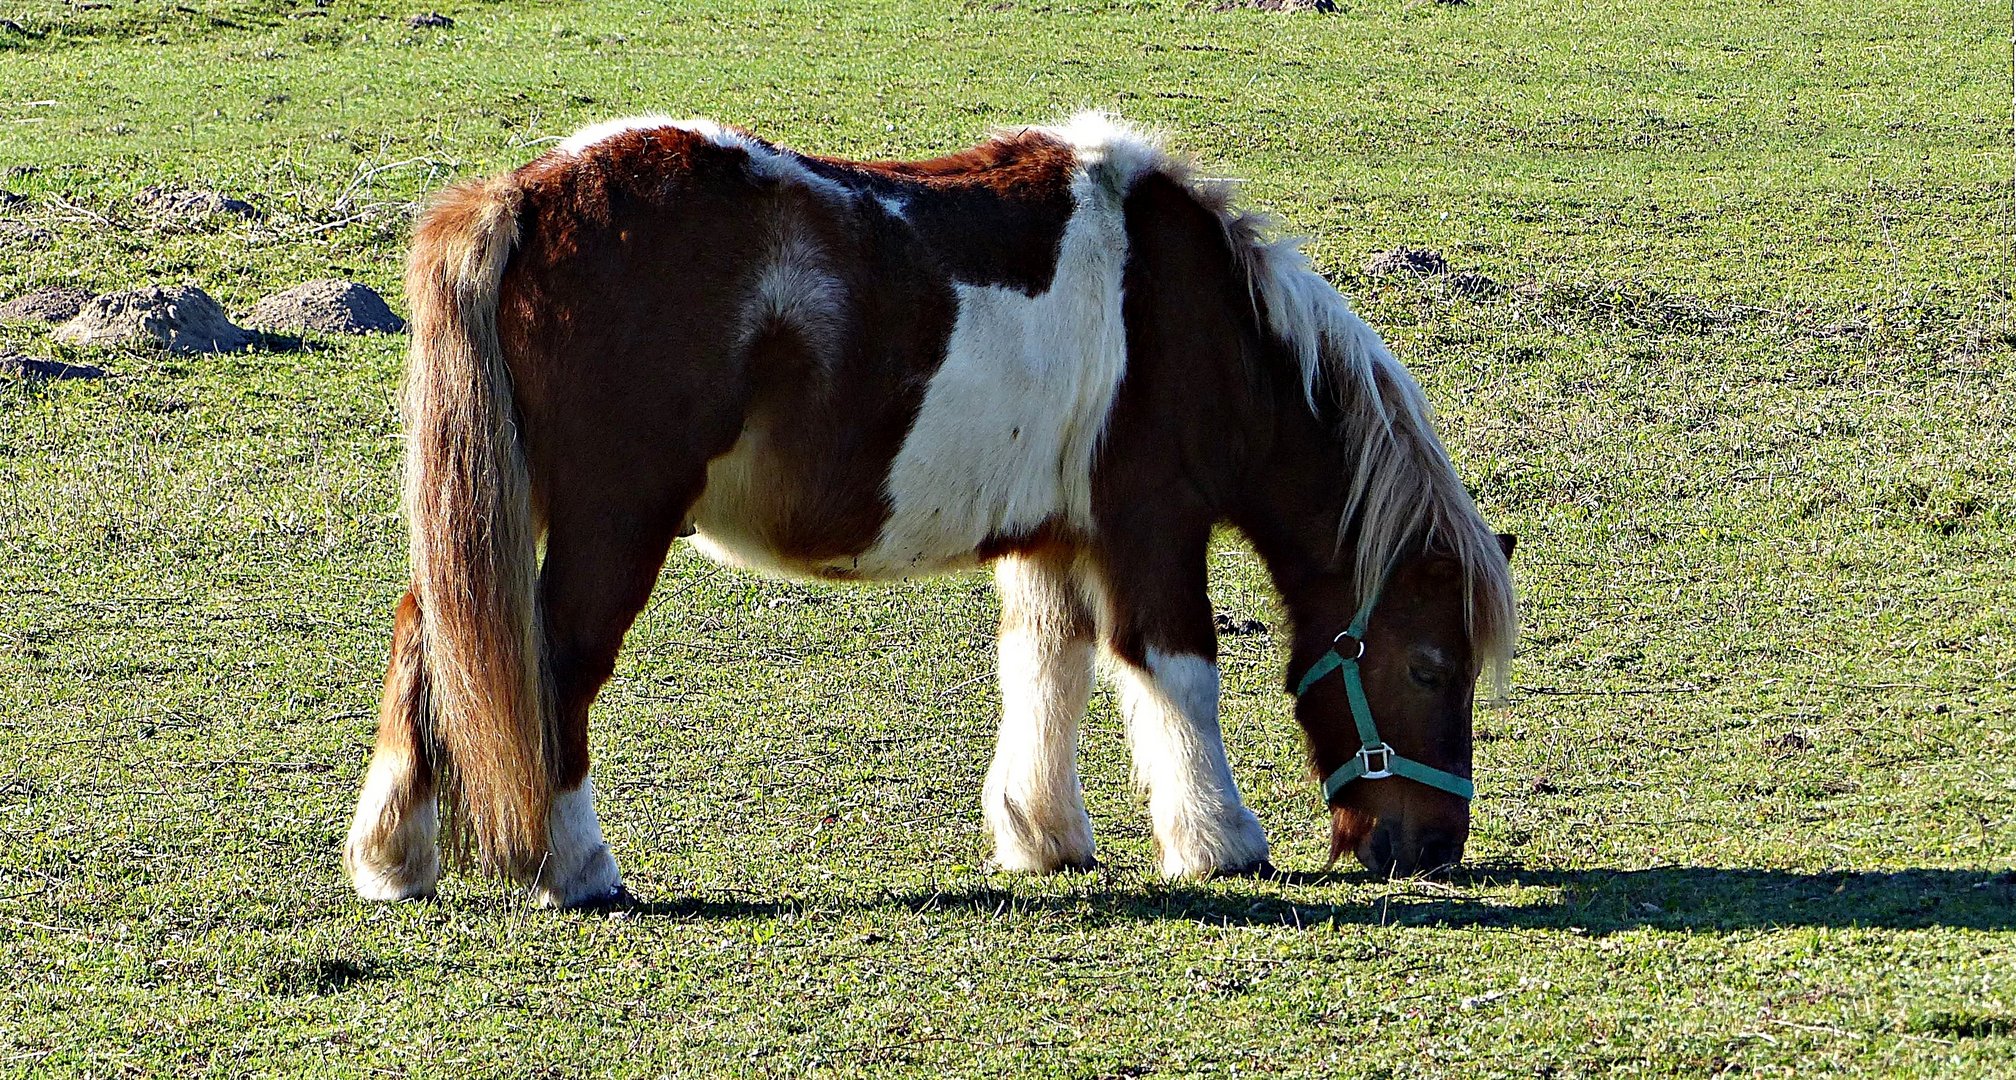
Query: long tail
{"points": [[473, 537]]}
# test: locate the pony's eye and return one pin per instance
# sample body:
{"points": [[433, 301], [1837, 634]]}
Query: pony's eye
{"points": [[1427, 678]]}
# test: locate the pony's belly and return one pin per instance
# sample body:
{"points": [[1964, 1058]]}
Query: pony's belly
{"points": [[737, 549], [756, 513]]}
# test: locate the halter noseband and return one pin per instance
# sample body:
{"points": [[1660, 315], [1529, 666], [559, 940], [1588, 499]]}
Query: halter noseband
{"points": [[1375, 760]]}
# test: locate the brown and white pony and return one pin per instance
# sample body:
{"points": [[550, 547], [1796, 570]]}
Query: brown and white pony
{"points": [[1058, 352]]}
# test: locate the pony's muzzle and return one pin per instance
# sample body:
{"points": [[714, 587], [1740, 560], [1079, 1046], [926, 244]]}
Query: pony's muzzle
{"points": [[1392, 850]]}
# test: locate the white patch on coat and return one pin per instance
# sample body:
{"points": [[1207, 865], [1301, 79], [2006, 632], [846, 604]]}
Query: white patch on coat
{"points": [[894, 207], [745, 500], [1033, 802], [1202, 826], [579, 868], [798, 290], [1006, 435], [1112, 150], [604, 130], [796, 286], [391, 853]]}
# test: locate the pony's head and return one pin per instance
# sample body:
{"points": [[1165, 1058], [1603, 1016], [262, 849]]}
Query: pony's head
{"points": [[1386, 686], [1400, 594]]}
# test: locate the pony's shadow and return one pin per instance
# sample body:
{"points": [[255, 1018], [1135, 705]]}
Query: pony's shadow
{"points": [[1708, 899], [697, 909], [1594, 902]]}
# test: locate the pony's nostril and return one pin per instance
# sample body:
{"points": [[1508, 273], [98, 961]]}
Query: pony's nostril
{"points": [[1388, 852]]}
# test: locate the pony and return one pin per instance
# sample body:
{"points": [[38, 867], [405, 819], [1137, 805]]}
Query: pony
{"points": [[1060, 352]]}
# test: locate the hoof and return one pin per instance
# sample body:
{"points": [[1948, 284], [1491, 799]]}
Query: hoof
{"points": [[380, 890], [409, 881], [1230, 845], [1063, 841]]}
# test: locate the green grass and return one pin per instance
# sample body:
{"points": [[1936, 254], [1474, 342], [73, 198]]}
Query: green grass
{"points": [[1752, 410]]}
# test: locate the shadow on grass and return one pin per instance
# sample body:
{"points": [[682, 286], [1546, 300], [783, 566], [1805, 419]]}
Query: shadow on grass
{"points": [[1596, 902], [1701, 898], [702, 910]]}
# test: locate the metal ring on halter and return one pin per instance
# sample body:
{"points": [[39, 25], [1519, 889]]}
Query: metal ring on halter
{"points": [[1380, 771], [1361, 645]]}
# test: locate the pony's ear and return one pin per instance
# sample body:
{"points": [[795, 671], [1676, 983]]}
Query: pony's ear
{"points": [[1508, 542]]}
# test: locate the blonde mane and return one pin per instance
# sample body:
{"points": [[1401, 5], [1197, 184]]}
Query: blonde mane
{"points": [[1405, 493]]}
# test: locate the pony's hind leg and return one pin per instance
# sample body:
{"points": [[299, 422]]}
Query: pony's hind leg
{"points": [[600, 566], [1156, 623], [391, 852], [1032, 800]]}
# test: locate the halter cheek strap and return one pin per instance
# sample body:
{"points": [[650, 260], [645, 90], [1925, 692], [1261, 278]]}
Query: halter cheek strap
{"points": [[1375, 760]]}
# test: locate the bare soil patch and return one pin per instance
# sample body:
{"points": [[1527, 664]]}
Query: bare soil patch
{"points": [[58, 303], [177, 205], [1474, 285], [330, 306], [21, 234], [180, 318], [1428, 263], [1420, 262]]}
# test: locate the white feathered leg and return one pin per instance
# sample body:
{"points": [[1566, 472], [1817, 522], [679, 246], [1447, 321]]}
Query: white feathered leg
{"points": [[579, 871], [1202, 826], [1032, 800], [390, 853]]}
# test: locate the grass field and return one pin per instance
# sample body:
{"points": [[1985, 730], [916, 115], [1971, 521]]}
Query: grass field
{"points": [[1750, 404]]}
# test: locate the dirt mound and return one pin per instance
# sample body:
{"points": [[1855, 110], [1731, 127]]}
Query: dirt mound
{"points": [[332, 307], [433, 19], [58, 303], [182, 318], [192, 204], [1429, 263], [17, 366], [1422, 262]]}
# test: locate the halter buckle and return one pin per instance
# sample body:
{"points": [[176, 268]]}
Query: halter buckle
{"points": [[1339, 640], [1383, 769]]}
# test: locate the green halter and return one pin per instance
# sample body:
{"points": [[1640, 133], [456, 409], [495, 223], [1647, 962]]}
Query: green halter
{"points": [[1375, 760]]}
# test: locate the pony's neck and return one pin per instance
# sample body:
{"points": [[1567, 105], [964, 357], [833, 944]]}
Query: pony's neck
{"points": [[1294, 497]]}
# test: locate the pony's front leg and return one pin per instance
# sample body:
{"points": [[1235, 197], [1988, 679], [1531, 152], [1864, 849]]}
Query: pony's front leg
{"points": [[1164, 656], [1032, 801], [391, 853]]}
